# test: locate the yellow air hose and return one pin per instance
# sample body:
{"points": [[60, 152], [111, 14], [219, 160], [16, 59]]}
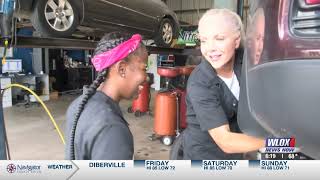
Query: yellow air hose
{"points": [[6, 43], [43, 105]]}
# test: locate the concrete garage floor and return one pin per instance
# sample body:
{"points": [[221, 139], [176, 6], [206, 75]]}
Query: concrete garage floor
{"points": [[31, 134]]}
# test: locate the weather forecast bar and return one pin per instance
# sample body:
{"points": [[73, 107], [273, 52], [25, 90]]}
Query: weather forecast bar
{"points": [[146, 169]]}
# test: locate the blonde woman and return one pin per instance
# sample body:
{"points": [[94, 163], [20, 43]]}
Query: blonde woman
{"points": [[213, 93]]}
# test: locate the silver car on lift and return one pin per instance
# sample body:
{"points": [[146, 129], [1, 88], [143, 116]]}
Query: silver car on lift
{"points": [[62, 18]]}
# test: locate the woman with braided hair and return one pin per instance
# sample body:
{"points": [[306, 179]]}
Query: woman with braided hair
{"points": [[96, 128]]}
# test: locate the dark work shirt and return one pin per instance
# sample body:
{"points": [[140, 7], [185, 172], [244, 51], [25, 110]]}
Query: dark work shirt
{"points": [[102, 132], [210, 104]]}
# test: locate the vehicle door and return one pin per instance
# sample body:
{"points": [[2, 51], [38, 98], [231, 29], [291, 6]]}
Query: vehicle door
{"points": [[142, 14], [101, 13]]}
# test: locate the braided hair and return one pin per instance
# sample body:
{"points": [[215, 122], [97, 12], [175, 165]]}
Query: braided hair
{"points": [[107, 42]]}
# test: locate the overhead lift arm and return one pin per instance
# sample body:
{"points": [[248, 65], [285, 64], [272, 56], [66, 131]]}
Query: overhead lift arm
{"points": [[68, 43]]}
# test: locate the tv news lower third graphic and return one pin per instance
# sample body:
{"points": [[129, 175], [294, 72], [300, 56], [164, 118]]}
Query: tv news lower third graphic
{"points": [[280, 149], [159, 169], [115, 164], [280, 143], [272, 165], [37, 169], [219, 165], [155, 165]]}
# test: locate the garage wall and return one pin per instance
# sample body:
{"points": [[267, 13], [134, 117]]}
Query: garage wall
{"points": [[24, 53], [77, 55], [190, 11], [229, 4]]}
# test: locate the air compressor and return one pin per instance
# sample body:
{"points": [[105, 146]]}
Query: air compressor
{"points": [[140, 105]]}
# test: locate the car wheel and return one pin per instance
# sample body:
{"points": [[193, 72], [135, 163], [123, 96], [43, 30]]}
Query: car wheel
{"points": [[55, 18], [167, 140], [166, 33]]}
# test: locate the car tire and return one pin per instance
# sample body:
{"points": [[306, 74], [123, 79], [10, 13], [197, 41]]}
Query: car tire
{"points": [[166, 34], [50, 23]]}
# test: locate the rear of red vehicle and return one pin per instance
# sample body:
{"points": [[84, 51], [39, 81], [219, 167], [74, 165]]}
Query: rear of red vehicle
{"points": [[280, 85]]}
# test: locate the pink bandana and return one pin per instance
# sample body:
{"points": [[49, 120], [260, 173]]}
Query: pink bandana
{"points": [[106, 59]]}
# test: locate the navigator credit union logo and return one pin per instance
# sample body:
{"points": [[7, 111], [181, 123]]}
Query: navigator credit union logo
{"points": [[11, 168]]}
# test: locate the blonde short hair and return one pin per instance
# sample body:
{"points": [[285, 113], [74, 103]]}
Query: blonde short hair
{"points": [[230, 16]]}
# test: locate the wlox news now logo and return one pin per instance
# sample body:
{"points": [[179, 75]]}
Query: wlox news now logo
{"points": [[280, 145]]}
